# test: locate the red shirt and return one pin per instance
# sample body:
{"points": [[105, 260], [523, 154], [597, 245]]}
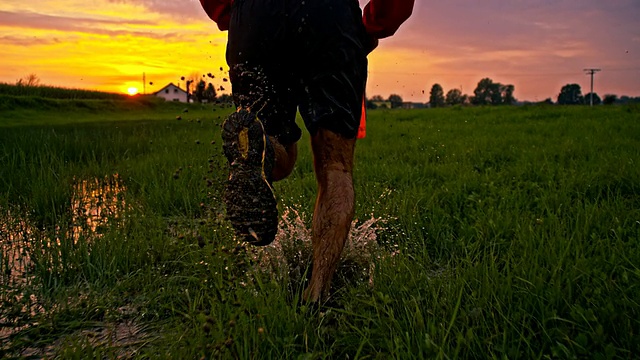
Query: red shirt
{"points": [[381, 18]]}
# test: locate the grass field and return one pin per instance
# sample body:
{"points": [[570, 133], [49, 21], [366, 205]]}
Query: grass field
{"points": [[54, 92], [507, 232]]}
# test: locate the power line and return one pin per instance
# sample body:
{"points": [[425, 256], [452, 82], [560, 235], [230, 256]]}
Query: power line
{"points": [[591, 72]]}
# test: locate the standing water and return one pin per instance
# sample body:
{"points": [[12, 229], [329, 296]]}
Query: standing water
{"points": [[94, 204]]}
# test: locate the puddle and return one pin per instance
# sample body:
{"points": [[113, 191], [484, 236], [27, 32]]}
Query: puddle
{"points": [[126, 338], [94, 203], [14, 248]]}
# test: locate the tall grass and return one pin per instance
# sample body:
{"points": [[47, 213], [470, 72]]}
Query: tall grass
{"points": [[510, 233], [54, 92]]}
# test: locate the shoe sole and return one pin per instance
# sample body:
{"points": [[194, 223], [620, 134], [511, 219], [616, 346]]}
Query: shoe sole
{"points": [[249, 197]]}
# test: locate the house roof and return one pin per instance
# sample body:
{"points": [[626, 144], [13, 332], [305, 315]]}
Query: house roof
{"points": [[168, 85]]}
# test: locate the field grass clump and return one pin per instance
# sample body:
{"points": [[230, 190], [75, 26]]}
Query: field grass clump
{"points": [[509, 232]]}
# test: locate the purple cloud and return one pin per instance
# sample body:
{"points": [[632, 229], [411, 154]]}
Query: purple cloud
{"points": [[96, 26], [185, 9], [27, 40]]}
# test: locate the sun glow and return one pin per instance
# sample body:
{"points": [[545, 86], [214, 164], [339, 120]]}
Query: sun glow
{"points": [[132, 91]]}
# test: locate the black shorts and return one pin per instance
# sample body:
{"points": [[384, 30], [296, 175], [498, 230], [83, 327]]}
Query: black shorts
{"points": [[309, 55]]}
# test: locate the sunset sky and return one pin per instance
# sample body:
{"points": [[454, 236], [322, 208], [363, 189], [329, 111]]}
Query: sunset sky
{"points": [[536, 45]]}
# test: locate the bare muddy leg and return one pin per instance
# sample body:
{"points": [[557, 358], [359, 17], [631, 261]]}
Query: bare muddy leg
{"points": [[333, 165], [285, 159]]}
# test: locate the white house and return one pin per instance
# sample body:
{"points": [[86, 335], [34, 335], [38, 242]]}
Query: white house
{"points": [[172, 92]]}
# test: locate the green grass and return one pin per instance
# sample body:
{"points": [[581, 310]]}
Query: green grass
{"points": [[518, 230], [54, 92]]}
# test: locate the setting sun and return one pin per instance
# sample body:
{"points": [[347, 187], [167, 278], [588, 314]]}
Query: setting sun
{"points": [[132, 91]]}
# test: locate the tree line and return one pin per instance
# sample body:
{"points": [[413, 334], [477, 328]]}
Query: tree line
{"points": [[488, 92], [198, 89], [571, 94]]}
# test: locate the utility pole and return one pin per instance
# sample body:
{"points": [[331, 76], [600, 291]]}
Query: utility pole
{"points": [[591, 72]]}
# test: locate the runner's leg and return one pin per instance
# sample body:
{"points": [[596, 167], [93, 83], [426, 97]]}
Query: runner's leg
{"points": [[333, 68], [286, 156], [334, 209], [265, 121]]}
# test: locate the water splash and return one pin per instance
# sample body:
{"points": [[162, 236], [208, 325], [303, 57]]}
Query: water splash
{"points": [[289, 256]]}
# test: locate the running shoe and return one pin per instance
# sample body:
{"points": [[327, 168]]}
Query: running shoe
{"points": [[249, 197]]}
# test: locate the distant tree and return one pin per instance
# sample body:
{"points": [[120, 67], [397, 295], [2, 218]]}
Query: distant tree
{"points": [[482, 92], [609, 99], [195, 78], [506, 92], [625, 99], [486, 92], [436, 96], [596, 99], [454, 97], [377, 98], [192, 80], [210, 93], [225, 99], [570, 94], [29, 80], [546, 101], [188, 87], [395, 100], [370, 104], [199, 91]]}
